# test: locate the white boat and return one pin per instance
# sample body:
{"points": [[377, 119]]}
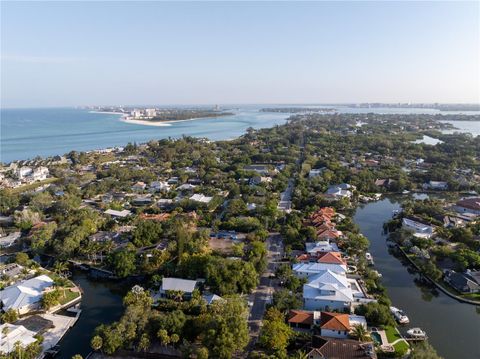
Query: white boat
{"points": [[417, 333], [399, 315], [405, 192], [369, 258]]}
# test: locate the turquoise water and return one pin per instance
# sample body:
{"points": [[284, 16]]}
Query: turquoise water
{"points": [[27, 133]]}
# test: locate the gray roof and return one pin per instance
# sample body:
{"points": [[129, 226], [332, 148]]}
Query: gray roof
{"points": [[184, 285]]}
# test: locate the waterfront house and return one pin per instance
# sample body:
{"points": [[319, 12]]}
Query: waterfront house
{"points": [[463, 282], [185, 286], [328, 291], [25, 296], [320, 246], [12, 334], [468, 205], [323, 348], [339, 191], [307, 270], [419, 229], [384, 182], [322, 257]]}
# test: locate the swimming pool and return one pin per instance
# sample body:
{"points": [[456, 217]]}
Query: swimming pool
{"points": [[376, 338]]}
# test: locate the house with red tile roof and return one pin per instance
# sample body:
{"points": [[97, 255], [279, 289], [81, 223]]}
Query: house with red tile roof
{"points": [[323, 348], [302, 319], [334, 325]]}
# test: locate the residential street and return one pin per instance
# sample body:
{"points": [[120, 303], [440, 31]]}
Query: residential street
{"points": [[263, 294]]}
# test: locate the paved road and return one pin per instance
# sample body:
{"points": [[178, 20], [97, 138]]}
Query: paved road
{"points": [[262, 295], [285, 203]]}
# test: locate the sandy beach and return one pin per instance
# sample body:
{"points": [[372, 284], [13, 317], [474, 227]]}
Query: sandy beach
{"points": [[162, 123], [146, 123]]}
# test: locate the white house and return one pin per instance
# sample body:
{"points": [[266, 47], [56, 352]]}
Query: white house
{"points": [[339, 191], [201, 198], [11, 334], [185, 286], [321, 246], [339, 325], [158, 186], [307, 270], [23, 172], [25, 296], [327, 291], [40, 173], [118, 214], [420, 230]]}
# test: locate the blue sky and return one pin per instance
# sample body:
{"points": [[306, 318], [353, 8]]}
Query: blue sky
{"points": [[82, 53]]}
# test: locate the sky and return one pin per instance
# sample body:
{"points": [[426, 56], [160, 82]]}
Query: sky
{"points": [[112, 53]]}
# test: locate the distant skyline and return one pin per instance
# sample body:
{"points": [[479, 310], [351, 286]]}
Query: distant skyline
{"points": [[166, 53]]}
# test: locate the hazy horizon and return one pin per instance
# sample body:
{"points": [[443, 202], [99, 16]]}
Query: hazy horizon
{"points": [[67, 54]]}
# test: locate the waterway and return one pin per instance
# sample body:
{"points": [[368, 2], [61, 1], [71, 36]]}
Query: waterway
{"points": [[28, 133], [101, 304], [453, 328]]}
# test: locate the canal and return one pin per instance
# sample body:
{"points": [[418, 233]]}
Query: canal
{"points": [[101, 303], [453, 328]]}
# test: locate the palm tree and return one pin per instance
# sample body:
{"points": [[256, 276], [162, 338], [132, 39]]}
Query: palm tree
{"points": [[360, 333], [60, 268]]}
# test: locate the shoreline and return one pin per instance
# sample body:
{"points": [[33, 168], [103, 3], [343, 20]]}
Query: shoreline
{"points": [[163, 123], [108, 112]]}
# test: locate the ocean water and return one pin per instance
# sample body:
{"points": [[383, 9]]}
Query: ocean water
{"points": [[27, 133]]}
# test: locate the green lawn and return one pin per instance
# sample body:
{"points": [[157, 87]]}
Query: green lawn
{"points": [[473, 296], [67, 295], [401, 347], [392, 334]]}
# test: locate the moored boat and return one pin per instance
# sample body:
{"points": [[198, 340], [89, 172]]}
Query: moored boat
{"points": [[399, 315], [369, 258], [417, 333]]}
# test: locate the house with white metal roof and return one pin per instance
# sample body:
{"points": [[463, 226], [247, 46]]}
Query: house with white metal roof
{"points": [[186, 286], [307, 270], [25, 296], [11, 334]]}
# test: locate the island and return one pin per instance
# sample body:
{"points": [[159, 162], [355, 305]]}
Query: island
{"points": [[156, 115]]}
